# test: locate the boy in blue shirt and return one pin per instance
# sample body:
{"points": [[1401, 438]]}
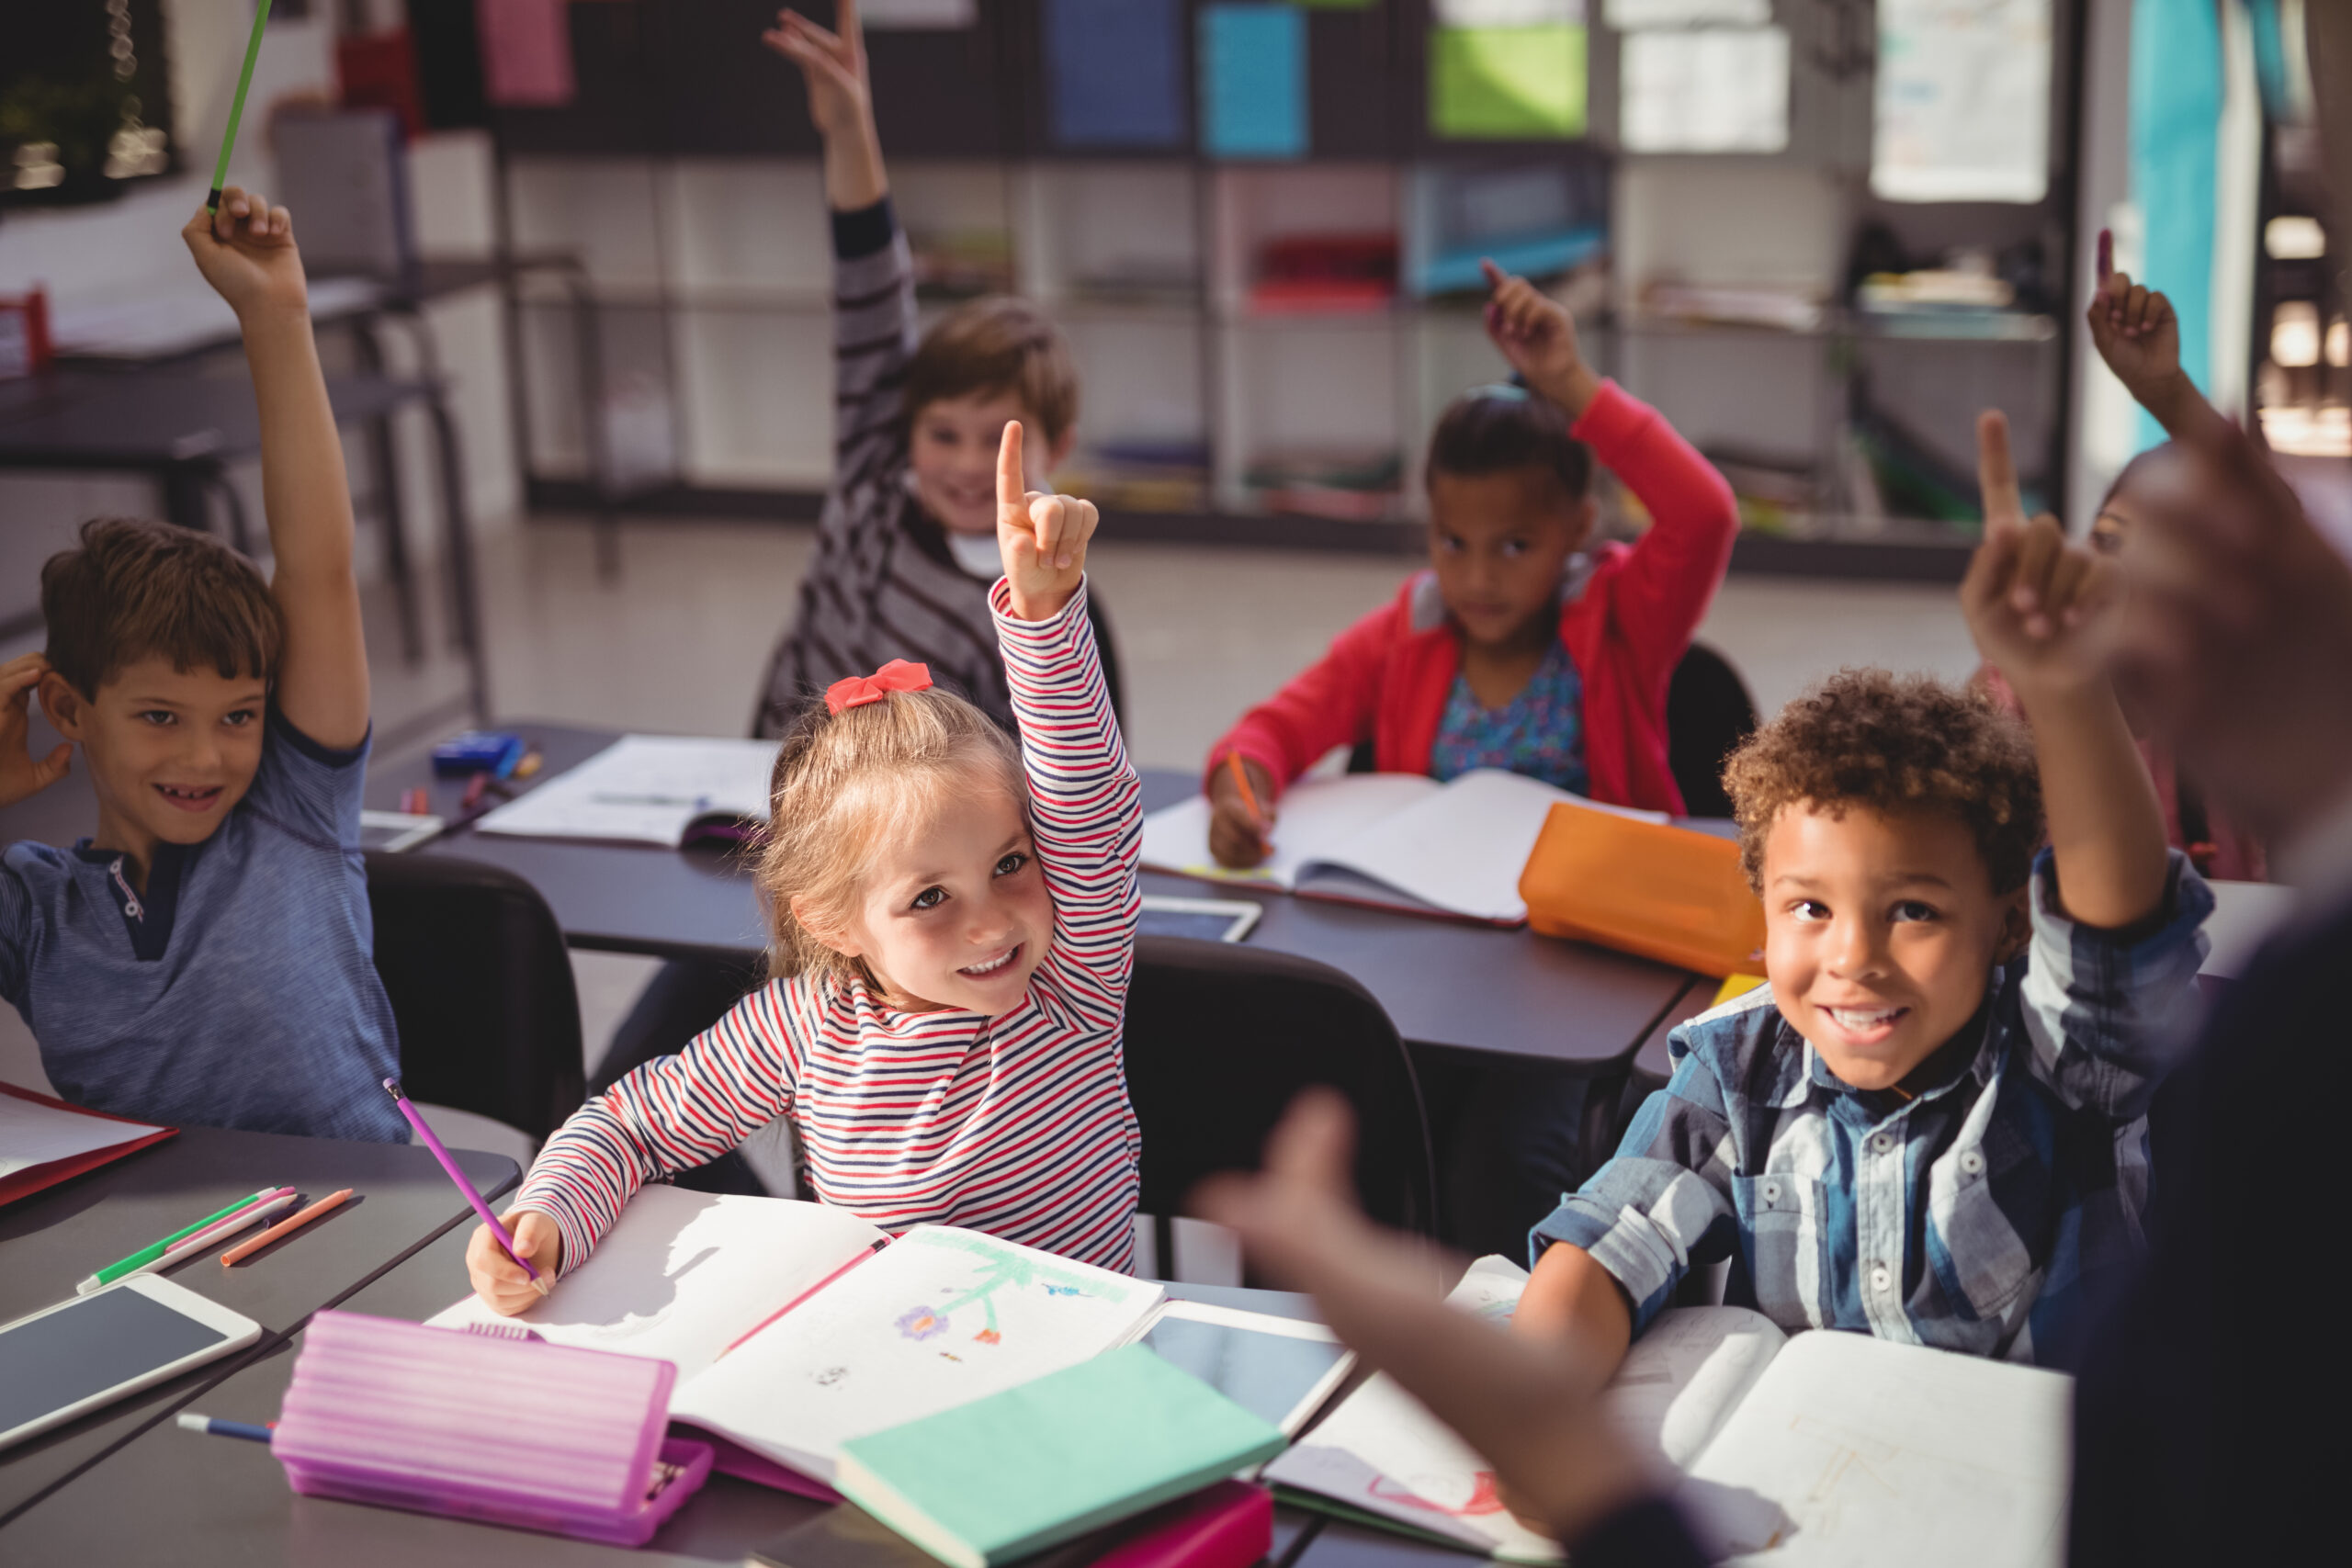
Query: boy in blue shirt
{"points": [[205, 956], [1931, 1126]]}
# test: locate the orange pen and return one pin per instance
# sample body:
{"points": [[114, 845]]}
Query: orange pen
{"points": [[295, 1222], [1249, 795]]}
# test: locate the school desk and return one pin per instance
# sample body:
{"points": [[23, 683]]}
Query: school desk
{"points": [[1448, 985], [401, 1201], [206, 1500]]}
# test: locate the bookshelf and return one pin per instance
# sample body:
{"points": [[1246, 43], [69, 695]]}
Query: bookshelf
{"points": [[1217, 409]]}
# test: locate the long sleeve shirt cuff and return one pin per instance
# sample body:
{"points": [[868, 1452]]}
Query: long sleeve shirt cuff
{"points": [[865, 230]]}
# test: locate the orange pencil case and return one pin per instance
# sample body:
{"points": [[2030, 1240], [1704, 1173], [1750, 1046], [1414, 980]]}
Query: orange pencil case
{"points": [[1665, 893]]}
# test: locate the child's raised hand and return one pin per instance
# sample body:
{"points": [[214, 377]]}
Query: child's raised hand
{"points": [[497, 1278], [1042, 538], [1538, 337], [246, 252], [2041, 610], [2136, 332], [832, 64], [20, 775]]}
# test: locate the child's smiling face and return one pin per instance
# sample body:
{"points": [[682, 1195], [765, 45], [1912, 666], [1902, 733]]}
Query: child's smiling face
{"points": [[1881, 931], [954, 914], [170, 751], [952, 449]]}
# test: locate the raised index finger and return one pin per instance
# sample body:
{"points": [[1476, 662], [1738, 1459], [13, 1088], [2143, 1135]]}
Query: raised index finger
{"points": [[1996, 475], [1012, 480]]}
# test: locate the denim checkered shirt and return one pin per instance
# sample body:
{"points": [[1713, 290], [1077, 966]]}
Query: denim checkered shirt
{"points": [[1973, 1217]]}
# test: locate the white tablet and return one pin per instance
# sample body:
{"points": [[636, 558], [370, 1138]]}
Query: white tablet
{"points": [[69, 1359], [1206, 919], [1282, 1369]]}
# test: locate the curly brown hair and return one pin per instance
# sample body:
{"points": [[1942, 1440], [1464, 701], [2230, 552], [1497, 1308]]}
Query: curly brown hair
{"points": [[1894, 743]]}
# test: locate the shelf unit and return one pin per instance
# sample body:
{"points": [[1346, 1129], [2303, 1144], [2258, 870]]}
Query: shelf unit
{"points": [[701, 219]]}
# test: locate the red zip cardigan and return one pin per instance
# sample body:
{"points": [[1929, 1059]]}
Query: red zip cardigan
{"points": [[1626, 624]]}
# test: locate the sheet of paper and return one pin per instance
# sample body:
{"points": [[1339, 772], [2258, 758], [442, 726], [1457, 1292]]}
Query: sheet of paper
{"points": [[2245, 914], [682, 1275], [1505, 13], [1628, 16], [1461, 847], [908, 16], [1684, 1376], [1962, 109], [1115, 72], [1718, 90], [1877, 1452], [1516, 83], [1382, 1452], [940, 1317], [1316, 815], [33, 1135], [644, 789], [1253, 74]]}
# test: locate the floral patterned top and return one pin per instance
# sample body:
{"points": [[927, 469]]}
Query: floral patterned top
{"points": [[1539, 733]]}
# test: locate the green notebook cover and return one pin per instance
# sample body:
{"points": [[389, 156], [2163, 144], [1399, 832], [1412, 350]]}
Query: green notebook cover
{"points": [[1021, 1470]]}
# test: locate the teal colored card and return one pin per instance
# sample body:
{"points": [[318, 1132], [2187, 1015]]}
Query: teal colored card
{"points": [[1252, 70], [1018, 1471]]}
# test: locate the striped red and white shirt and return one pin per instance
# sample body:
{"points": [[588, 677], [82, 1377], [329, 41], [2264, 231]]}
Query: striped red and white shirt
{"points": [[1018, 1125]]}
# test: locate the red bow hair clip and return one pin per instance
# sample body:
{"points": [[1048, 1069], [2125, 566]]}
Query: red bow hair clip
{"points": [[898, 675]]}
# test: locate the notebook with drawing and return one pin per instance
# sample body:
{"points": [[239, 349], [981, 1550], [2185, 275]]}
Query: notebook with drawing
{"points": [[648, 789], [875, 1334], [1822, 1447], [1392, 840]]}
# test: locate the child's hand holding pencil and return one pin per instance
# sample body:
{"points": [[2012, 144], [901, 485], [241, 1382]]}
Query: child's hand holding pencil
{"points": [[497, 1278], [1241, 816], [246, 253]]}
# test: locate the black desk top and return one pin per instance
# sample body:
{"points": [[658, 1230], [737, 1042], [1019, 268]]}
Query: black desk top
{"points": [[158, 417], [401, 1201], [1445, 984], [210, 1500]]}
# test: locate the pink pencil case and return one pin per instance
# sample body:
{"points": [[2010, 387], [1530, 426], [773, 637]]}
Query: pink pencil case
{"points": [[507, 1430]]}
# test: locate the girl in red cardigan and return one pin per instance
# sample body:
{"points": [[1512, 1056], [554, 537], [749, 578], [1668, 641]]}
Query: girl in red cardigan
{"points": [[1516, 648]]}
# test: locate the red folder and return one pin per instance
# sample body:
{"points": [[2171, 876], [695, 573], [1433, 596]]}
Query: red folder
{"points": [[33, 1179]]}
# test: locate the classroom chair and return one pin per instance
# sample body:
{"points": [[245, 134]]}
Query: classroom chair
{"points": [[1708, 712], [1220, 1037], [481, 987]]}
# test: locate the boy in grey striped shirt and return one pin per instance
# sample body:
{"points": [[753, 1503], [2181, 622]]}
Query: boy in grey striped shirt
{"points": [[907, 542]]}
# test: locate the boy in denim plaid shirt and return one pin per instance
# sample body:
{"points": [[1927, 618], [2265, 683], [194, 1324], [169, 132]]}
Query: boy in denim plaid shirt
{"points": [[1931, 1126]]}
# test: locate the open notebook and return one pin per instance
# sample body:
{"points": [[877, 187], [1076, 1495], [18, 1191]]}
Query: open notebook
{"points": [[44, 1141], [1820, 1449], [650, 789], [1393, 840], [795, 1327]]}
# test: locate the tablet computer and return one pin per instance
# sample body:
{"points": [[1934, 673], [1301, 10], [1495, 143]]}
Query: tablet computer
{"points": [[70, 1359], [1206, 919], [1282, 1369]]}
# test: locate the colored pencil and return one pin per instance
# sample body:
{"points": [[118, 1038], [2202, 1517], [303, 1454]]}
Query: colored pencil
{"points": [[246, 1248], [237, 106]]}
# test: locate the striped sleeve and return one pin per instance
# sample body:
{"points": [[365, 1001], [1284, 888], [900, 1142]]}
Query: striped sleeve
{"points": [[873, 339], [1085, 800], [674, 1112]]}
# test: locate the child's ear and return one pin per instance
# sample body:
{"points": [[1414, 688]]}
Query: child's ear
{"points": [[2017, 923], [1058, 454], [67, 709], [823, 930]]}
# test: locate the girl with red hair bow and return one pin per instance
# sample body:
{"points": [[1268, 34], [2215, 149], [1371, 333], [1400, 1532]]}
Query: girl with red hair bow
{"points": [[953, 926]]}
